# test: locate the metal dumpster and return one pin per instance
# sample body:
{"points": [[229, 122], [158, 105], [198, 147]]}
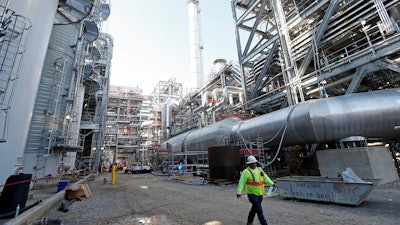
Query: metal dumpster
{"points": [[325, 189]]}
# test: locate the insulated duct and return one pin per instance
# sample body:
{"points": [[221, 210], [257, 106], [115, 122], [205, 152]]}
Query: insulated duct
{"points": [[369, 114], [167, 119]]}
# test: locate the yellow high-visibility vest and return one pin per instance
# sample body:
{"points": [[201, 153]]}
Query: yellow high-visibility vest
{"points": [[253, 180]]}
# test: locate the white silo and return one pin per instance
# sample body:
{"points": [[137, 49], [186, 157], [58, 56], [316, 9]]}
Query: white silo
{"points": [[196, 47], [50, 110], [41, 14]]}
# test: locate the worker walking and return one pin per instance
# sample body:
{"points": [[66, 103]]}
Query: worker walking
{"points": [[253, 178]]}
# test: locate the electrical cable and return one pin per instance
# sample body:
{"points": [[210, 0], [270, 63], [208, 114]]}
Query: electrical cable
{"points": [[283, 135], [188, 179], [284, 127]]}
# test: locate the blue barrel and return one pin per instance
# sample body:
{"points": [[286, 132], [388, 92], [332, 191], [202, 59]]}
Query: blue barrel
{"points": [[62, 184]]}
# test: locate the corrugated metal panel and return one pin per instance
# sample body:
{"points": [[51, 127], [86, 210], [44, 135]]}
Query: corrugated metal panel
{"points": [[60, 52]]}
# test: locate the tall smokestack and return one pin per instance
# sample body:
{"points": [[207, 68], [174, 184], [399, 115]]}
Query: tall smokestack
{"points": [[196, 47]]}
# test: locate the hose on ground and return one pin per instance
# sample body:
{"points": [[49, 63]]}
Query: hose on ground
{"points": [[187, 179]]}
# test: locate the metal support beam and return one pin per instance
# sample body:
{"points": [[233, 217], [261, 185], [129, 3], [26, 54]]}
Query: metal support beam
{"points": [[355, 82], [253, 30], [257, 51], [381, 51], [318, 36], [266, 100], [240, 55], [267, 65], [360, 74], [289, 68], [390, 65]]}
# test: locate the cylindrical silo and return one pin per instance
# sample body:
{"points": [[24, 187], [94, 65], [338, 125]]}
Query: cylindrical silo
{"points": [[41, 14], [51, 102]]}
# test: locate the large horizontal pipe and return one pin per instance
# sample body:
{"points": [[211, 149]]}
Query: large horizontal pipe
{"points": [[370, 114], [216, 134]]}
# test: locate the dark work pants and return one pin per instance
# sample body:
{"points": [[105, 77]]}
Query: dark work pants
{"points": [[256, 208]]}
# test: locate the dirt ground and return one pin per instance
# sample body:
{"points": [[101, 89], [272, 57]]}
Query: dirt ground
{"points": [[150, 199]]}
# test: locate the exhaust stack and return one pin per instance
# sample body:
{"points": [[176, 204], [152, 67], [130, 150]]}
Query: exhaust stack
{"points": [[196, 47]]}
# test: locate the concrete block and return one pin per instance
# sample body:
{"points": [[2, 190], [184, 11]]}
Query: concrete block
{"points": [[366, 162]]}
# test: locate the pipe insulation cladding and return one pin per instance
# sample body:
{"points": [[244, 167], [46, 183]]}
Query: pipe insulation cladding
{"points": [[369, 114]]}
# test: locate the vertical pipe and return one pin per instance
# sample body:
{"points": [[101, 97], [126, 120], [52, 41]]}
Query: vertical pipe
{"points": [[104, 98]]}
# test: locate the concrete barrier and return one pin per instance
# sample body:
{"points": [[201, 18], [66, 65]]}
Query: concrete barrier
{"points": [[29, 216]]}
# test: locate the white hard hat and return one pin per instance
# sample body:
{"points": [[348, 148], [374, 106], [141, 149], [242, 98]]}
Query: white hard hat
{"points": [[251, 159]]}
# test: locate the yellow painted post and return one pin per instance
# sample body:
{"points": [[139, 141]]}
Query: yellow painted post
{"points": [[114, 168]]}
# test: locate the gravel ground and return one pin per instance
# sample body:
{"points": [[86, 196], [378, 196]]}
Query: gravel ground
{"points": [[149, 199]]}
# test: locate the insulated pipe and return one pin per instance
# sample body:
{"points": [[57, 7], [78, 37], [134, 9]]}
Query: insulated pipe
{"points": [[201, 139], [369, 114], [216, 100], [204, 98], [167, 117], [232, 90]]}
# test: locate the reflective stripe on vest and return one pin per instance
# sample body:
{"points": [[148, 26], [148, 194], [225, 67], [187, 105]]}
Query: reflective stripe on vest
{"points": [[254, 184]]}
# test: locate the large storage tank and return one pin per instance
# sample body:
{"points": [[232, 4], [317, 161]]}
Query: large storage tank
{"points": [[41, 14], [51, 102]]}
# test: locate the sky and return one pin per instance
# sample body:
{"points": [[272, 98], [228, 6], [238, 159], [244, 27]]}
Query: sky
{"points": [[151, 40]]}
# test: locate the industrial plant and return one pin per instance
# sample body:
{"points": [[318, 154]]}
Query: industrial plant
{"points": [[315, 90]]}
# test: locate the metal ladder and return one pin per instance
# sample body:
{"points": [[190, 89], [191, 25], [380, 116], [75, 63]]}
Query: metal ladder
{"points": [[269, 169], [261, 153], [12, 36]]}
